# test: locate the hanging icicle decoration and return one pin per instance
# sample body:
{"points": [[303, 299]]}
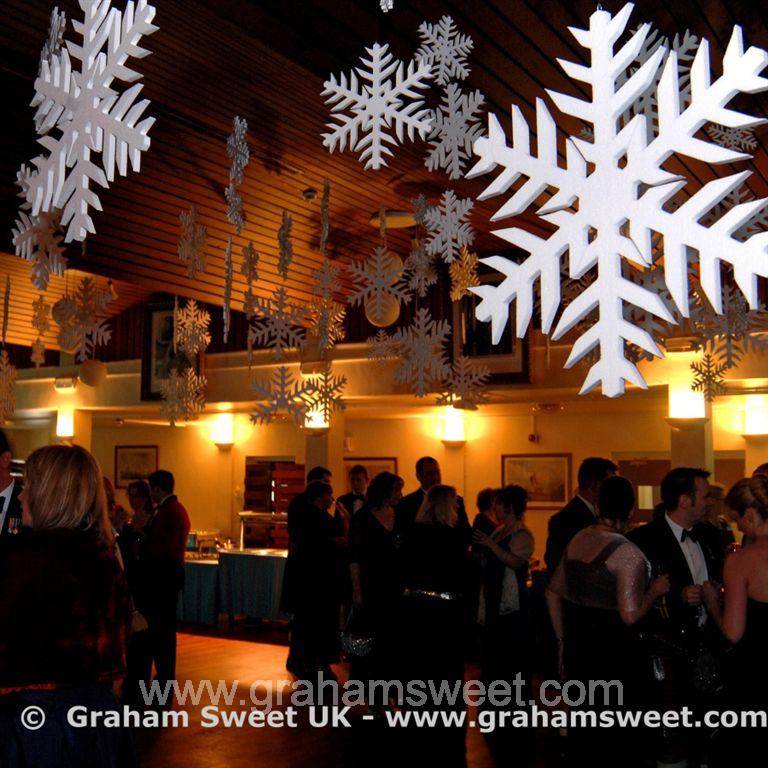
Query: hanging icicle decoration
{"points": [[227, 287], [325, 208], [6, 306]]}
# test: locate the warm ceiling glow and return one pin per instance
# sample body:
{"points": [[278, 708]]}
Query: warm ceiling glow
{"points": [[222, 431], [315, 420], [684, 403], [453, 426], [756, 415], [65, 422]]}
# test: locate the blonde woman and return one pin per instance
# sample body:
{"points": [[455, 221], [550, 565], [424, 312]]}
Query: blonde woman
{"points": [[64, 617]]}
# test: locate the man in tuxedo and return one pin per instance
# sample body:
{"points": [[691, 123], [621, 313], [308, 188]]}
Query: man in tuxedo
{"points": [[428, 475], [10, 488], [358, 482], [579, 512]]}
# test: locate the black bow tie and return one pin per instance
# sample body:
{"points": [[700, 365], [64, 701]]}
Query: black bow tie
{"points": [[692, 535]]}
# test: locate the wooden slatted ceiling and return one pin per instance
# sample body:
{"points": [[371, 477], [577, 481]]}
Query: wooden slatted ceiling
{"points": [[212, 59]]}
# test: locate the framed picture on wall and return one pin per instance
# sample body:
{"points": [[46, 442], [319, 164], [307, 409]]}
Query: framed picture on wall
{"points": [[546, 477], [134, 462], [158, 358], [373, 465]]}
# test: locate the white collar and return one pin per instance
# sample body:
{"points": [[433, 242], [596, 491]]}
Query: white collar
{"points": [[6, 492], [164, 499], [677, 529]]}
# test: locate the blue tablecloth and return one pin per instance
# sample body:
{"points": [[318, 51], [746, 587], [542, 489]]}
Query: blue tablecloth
{"points": [[250, 583], [198, 601]]}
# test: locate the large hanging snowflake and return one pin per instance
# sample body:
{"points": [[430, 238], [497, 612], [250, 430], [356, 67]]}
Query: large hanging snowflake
{"points": [[420, 270], [733, 138], [7, 387], [445, 50], [464, 386], [90, 114], [192, 335], [326, 397], [614, 193], [421, 356], [708, 377], [279, 396], [192, 242], [326, 315], [386, 100], [377, 282], [82, 325], [463, 273], [277, 324], [455, 126], [448, 226], [183, 395]]}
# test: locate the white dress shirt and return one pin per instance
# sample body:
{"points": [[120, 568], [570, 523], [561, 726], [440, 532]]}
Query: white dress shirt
{"points": [[694, 556], [5, 495]]}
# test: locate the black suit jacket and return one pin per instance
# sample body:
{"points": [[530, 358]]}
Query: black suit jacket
{"points": [[563, 526], [409, 506], [347, 501], [662, 549], [14, 508]]}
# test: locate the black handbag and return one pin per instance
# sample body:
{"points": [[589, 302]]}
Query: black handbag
{"points": [[356, 638]]}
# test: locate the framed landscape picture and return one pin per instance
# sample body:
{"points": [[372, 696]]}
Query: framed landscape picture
{"points": [[372, 465], [134, 462], [546, 477]]}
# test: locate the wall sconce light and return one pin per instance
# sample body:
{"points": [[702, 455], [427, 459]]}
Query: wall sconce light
{"points": [[686, 407], [223, 430], [65, 422], [315, 423], [453, 432], [65, 385], [756, 416]]}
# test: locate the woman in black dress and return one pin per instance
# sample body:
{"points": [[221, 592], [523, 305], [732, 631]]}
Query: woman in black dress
{"points": [[741, 612], [376, 585]]}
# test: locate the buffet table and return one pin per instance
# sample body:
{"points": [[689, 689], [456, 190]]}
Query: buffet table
{"points": [[246, 582]]}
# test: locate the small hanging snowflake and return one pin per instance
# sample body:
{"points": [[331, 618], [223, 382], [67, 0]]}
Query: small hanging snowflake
{"points": [[448, 226], [285, 245], [420, 270], [327, 324], [83, 327], [192, 334], [7, 387], [183, 395], [55, 40], [386, 5], [281, 395], [237, 150], [708, 378], [386, 100], [326, 397], [325, 210], [326, 279], [381, 347], [41, 314], [421, 357], [455, 126], [377, 282], [235, 213], [90, 114], [463, 387], [420, 208], [277, 324], [445, 50], [225, 309], [38, 352], [463, 274], [192, 242], [249, 269], [733, 138]]}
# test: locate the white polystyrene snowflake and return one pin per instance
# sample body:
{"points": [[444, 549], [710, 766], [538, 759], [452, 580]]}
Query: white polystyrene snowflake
{"points": [[237, 150], [386, 5], [277, 324], [445, 50], [381, 347], [285, 245], [7, 387], [192, 334], [90, 114], [651, 280], [733, 138], [421, 354], [420, 270], [37, 355], [455, 126], [183, 395], [192, 242], [756, 224], [326, 279], [420, 209], [708, 377], [327, 395], [327, 324], [281, 395], [377, 282], [55, 40], [615, 193], [226, 313], [448, 226], [41, 315], [386, 100], [235, 213], [463, 386], [83, 326]]}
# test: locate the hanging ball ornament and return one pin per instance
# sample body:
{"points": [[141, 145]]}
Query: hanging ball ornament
{"points": [[63, 310], [383, 312], [92, 372]]}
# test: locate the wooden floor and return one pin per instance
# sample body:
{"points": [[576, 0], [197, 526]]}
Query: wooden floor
{"points": [[204, 657]]}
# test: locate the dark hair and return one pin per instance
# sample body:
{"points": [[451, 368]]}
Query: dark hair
{"points": [[680, 481], [359, 469], [381, 488], [617, 499], [512, 497], [485, 499], [422, 462], [162, 479], [5, 443], [316, 489], [318, 473], [594, 470], [761, 469], [749, 492], [141, 487]]}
